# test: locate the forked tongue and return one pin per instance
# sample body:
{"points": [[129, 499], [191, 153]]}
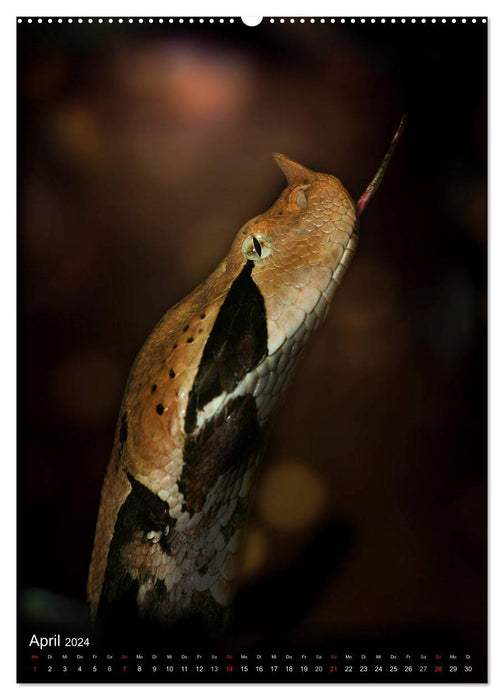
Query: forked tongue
{"points": [[366, 197]]}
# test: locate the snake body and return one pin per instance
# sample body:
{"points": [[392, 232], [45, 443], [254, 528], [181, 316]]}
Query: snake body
{"points": [[197, 405]]}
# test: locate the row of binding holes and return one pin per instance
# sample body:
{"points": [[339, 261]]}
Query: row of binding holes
{"points": [[140, 20], [382, 20], [322, 20]]}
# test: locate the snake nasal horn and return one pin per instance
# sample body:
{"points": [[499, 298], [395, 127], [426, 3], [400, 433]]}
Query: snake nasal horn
{"points": [[293, 171]]}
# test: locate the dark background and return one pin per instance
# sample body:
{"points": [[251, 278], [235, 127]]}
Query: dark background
{"points": [[142, 150]]}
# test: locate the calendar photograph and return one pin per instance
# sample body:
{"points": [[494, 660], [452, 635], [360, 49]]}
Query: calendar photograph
{"points": [[252, 350]]}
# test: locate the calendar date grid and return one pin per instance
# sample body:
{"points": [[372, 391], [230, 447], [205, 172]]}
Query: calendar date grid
{"points": [[239, 666]]}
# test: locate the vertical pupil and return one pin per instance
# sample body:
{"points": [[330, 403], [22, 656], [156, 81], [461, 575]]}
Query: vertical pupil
{"points": [[257, 246]]}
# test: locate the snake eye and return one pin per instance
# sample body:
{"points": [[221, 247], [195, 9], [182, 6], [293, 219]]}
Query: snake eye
{"points": [[257, 247]]}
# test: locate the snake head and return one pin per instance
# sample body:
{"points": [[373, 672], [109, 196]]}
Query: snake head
{"points": [[297, 248], [303, 244]]}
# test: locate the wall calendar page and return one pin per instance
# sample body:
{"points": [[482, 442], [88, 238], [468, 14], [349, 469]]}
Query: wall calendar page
{"points": [[252, 324]]}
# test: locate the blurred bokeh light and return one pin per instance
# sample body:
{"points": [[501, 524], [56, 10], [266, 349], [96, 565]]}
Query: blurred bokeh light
{"points": [[291, 496]]}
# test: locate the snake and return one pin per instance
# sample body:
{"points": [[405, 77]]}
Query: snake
{"points": [[198, 405]]}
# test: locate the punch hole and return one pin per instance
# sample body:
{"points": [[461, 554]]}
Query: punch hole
{"points": [[251, 21]]}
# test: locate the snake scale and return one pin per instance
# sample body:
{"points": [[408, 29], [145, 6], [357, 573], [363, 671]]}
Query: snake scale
{"points": [[198, 401]]}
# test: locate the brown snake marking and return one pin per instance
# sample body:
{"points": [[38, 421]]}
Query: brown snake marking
{"points": [[199, 396]]}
